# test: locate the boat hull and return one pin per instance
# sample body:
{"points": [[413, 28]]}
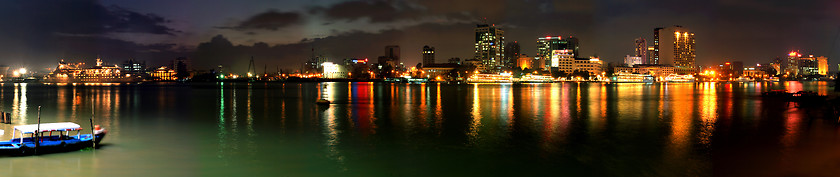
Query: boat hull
{"points": [[48, 145]]}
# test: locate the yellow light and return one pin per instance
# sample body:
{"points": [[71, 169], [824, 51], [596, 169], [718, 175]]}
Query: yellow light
{"points": [[22, 70]]}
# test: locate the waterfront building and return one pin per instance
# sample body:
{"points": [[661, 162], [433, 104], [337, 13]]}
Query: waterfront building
{"points": [[478, 64], [512, 54], [428, 55], [822, 66], [632, 60], [538, 63], [546, 45], [640, 49], [313, 65], [334, 71], [163, 74], [796, 65], [593, 65], [649, 58], [439, 71], [489, 46], [563, 60], [181, 65], [525, 62], [132, 66], [674, 46], [753, 72]]}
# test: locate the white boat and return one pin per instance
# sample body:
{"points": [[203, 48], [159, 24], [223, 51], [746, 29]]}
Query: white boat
{"points": [[631, 78], [31, 139]]}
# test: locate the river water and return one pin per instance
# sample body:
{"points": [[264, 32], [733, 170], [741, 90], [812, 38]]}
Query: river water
{"points": [[385, 129]]}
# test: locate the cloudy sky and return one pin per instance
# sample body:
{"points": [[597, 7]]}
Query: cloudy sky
{"points": [[282, 34]]}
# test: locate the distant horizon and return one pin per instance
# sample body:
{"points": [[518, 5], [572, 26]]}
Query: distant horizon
{"points": [[284, 33]]}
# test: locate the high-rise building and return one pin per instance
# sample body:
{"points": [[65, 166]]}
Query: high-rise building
{"points": [[512, 53], [181, 65], [796, 65], [649, 59], [641, 49], [822, 66], [428, 55], [674, 45], [393, 52], [546, 45], [489, 46], [134, 67]]}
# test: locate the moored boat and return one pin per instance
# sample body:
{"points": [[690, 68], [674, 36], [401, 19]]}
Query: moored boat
{"points": [[27, 139]]}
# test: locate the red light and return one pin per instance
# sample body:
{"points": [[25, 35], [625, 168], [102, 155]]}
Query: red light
{"points": [[727, 63]]}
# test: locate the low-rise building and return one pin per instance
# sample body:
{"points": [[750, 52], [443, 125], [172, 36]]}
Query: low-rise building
{"points": [[654, 70], [592, 65]]}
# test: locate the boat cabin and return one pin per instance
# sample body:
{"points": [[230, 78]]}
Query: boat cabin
{"points": [[63, 129]]}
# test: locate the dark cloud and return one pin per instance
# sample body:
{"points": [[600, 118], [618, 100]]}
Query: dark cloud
{"points": [[270, 20], [376, 11], [79, 17], [38, 33]]}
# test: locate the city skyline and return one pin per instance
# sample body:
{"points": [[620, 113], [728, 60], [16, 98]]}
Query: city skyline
{"points": [[280, 33]]}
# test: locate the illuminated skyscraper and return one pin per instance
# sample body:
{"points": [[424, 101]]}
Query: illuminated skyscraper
{"points": [[489, 46], [512, 52], [674, 45], [545, 46], [428, 56], [640, 50]]}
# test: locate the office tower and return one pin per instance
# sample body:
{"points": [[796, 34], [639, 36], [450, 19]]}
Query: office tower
{"points": [[674, 45], [649, 59], [428, 55], [546, 45], [393, 52], [512, 53], [641, 50], [489, 46]]}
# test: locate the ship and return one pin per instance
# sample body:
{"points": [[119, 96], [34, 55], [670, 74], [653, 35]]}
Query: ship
{"points": [[631, 78], [77, 73]]}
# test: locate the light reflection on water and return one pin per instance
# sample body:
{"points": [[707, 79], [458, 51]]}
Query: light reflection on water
{"points": [[582, 129]]}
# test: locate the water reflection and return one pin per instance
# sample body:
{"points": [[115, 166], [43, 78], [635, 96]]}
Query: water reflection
{"points": [[20, 102], [660, 129], [708, 112]]}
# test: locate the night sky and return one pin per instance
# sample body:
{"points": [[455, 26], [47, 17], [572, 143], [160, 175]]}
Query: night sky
{"points": [[37, 33]]}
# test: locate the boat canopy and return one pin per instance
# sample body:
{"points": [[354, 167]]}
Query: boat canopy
{"points": [[48, 127]]}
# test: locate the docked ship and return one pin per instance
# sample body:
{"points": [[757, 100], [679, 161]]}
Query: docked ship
{"points": [[77, 73], [679, 78], [491, 78], [632, 78], [534, 79]]}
